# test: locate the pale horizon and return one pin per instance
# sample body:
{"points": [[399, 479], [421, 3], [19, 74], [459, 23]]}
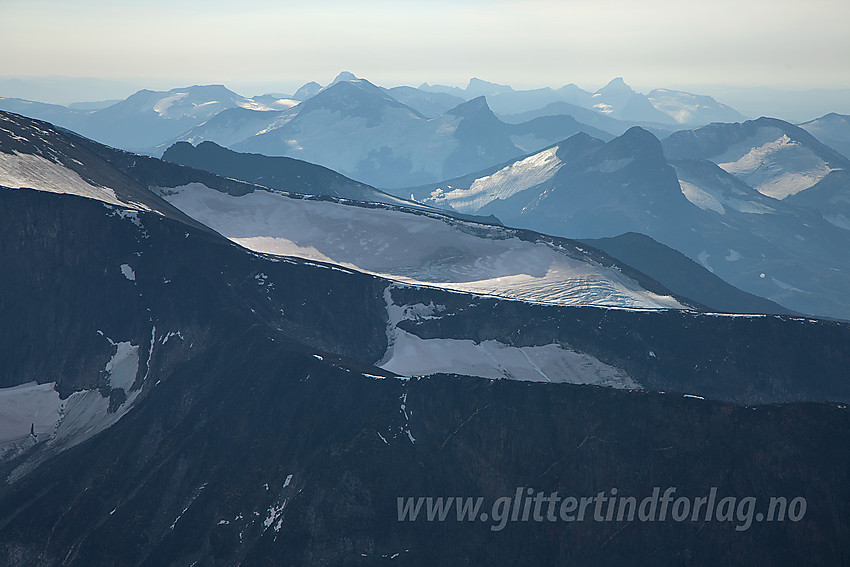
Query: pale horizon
{"points": [[527, 44]]}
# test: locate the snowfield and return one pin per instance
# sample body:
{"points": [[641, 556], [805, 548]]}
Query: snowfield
{"points": [[773, 164], [508, 181], [33, 415], [410, 355], [415, 249], [36, 172], [26, 408], [713, 193]]}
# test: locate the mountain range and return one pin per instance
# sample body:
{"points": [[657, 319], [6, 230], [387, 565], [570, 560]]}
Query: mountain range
{"points": [[661, 108], [406, 136], [396, 120], [395, 143], [228, 358], [140, 188], [146, 118], [780, 249]]}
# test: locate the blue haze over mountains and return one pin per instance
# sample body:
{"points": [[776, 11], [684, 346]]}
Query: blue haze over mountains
{"points": [[774, 223], [221, 357]]}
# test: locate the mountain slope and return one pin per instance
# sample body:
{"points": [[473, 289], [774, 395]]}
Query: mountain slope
{"points": [[243, 420], [396, 146], [830, 197], [614, 101], [682, 275], [285, 174], [458, 254], [310, 303], [280, 173], [775, 157], [33, 154], [427, 104], [584, 188], [687, 108], [147, 118], [229, 127], [523, 187], [832, 129], [441, 253], [618, 100]]}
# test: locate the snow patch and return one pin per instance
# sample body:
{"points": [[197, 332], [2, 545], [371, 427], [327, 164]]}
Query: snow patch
{"points": [[274, 517], [774, 164], [508, 181], [785, 286], [838, 219], [128, 272], [702, 199], [411, 355], [62, 424], [162, 105], [123, 366], [166, 338], [28, 413], [36, 172]]}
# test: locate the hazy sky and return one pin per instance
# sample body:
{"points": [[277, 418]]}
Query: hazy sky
{"points": [[281, 44]]}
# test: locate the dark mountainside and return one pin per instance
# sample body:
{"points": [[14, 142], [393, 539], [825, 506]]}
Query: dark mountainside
{"points": [[793, 251], [283, 173], [200, 469], [262, 433], [681, 275], [236, 174], [833, 130]]}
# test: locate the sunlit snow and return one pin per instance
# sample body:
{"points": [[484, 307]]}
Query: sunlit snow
{"points": [[702, 199], [508, 181], [419, 249], [128, 272], [713, 193], [162, 106], [25, 408], [36, 172], [60, 424], [773, 164], [411, 355]]}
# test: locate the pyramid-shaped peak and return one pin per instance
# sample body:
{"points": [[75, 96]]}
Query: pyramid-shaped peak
{"points": [[616, 84], [352, 98], [471, 107]]}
